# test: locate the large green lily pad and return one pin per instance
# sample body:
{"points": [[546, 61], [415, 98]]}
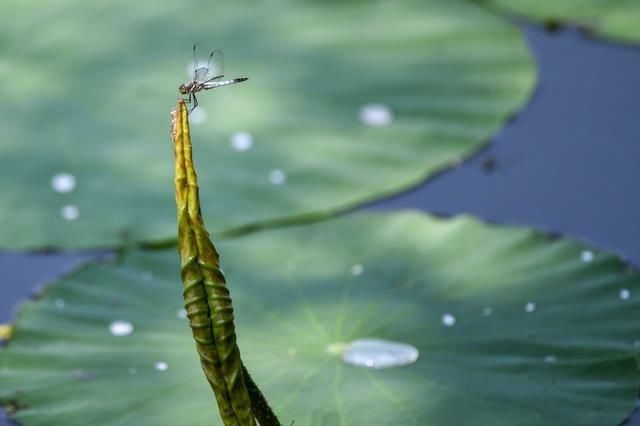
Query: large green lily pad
{"points": [[89, 89], [541, 331], [617, 19]]}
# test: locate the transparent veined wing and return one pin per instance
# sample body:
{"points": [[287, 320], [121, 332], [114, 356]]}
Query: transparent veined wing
{"points": [[207, 65]]}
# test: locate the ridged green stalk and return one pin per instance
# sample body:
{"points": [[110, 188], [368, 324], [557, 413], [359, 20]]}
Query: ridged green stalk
{"points": [[206, 296]]}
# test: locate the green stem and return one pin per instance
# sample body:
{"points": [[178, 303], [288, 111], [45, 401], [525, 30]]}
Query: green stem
{"points": [[207, 298], [261, 409]]}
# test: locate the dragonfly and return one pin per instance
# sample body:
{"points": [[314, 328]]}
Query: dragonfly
{"points": [[207, 75]]}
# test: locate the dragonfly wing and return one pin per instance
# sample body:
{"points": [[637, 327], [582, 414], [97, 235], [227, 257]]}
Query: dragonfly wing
{"points": [[215, 65], [206, 64], [200, 74]]}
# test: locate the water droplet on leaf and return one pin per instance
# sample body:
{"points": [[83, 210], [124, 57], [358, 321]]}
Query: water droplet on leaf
{"points": [[120, 328], [241, 141], [357, 269], [277, 177], [80, 374], [70, 212], [586, 255], [530, 307], [161, 366], [448, 320], [63, 182], [379, 353], [376, 115], [198, 116]]}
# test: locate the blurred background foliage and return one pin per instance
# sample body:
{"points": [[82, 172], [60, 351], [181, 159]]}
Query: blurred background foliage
{"points": [[89, 88], [614, 19]]}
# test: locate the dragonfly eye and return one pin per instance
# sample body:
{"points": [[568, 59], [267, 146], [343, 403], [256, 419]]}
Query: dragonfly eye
{"points": [[182, 89]]}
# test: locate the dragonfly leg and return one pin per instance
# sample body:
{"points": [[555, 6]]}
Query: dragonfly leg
{"points": [[195, 102], [192, 100]]}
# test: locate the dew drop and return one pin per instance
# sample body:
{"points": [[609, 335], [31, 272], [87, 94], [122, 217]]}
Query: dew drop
{"points": [[376, 115], [80, 374], [70, 212], [379, 353], [530, 307], [636, 344], [241, 141], [357, 269], [146, 275], [292, 351], [198, 116], [161, 366], [63, 182], [181, 313], [448, 320], [120, 328], [586, 256], [550, 359], [133, 370], [277, 177], [487, 311], [625, 294], [59, 303]]}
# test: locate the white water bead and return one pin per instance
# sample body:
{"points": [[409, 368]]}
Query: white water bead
{"points": [[277, 177], [161, 366], [198, 116], [379, 353], [625, 294], [357, 269], [530, 307], [376, 115], [448, 320], [586, 256], [487, 311], [63, 182], [120, 328], [241, 141], [70, 212]]}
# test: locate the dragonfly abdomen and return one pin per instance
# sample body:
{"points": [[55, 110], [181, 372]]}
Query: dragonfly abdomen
{"points": [[214, 84]]}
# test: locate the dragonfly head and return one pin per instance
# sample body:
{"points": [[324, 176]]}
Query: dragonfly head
{"points": [[183, 89]]}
